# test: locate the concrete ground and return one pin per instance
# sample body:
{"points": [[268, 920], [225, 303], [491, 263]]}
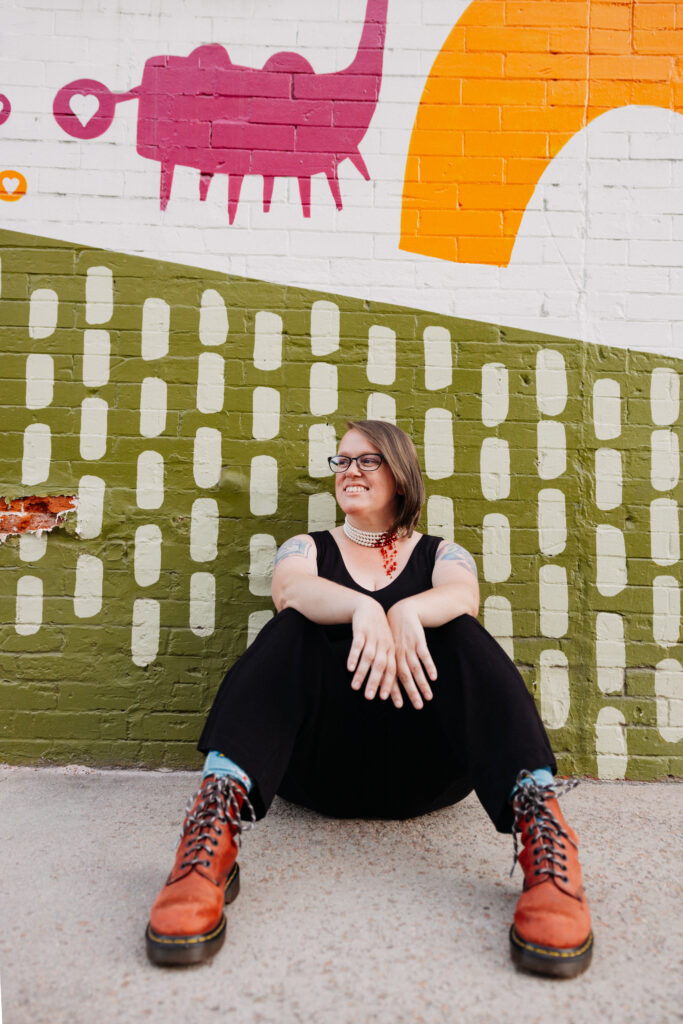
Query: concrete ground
{"points": [[337, 922]]}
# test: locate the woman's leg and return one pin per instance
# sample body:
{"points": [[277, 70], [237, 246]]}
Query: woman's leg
{"points": [[254, 721], [483, 707]]}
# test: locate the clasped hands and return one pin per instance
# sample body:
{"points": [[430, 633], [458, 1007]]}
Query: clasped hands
{"points": [[389, 651]]}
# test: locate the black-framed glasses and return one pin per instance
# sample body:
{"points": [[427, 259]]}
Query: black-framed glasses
{"points": [[368, 462]]}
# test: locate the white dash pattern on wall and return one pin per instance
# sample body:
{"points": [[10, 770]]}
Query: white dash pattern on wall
{"points": [[147, 557], [551, 382], [207, 458], [438, 358], [438, 444], [610, 652], [554, 686], [40, 380], [42, 313], [202, 603], [210, 382], [204, 530], [213, 318], [29, 606], [262, 549], [267, 341], [265, 413], [440, 519], [381, 406], [323, 385], [610, 743], [669, 699], [88, 586], [496, 548], [498, 622], [153, 402], [35, 463], [32, 546], [156, 321], [324, 328], [150, 480], [90, 507], [145, 633], [322, 511], [99, 295], [96, 357], [93, 435], [381, 364], [263, 486], [495, 394]]}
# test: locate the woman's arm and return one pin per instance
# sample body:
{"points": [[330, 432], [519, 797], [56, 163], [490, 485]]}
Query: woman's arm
{"points": [[454, 592], [296, 584]]}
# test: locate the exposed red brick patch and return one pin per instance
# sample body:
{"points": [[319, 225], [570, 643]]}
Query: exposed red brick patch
{"points": [[33, 514]]}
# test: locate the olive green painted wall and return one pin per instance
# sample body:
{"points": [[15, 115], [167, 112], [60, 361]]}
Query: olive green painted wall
{"points": [[69, 688]]}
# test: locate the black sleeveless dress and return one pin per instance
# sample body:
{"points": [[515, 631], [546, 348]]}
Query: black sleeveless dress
{"points": [[287, 715]]}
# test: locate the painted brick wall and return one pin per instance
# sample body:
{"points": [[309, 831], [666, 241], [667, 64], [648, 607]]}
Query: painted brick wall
{"points": [[465, 219]]}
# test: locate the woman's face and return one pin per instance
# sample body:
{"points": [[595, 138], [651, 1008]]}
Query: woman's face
{"points": [[365, 495]]}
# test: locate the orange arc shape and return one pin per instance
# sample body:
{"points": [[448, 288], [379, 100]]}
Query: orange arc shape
{"points": [[514, 81], [12, 186]]}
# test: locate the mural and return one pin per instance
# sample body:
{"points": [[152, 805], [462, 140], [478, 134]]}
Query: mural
{"points": [[192, 416], [503, 279], [512, 84], [283, 120]]}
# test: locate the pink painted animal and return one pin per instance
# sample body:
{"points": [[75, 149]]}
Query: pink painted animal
{"points": [[282, 120]]}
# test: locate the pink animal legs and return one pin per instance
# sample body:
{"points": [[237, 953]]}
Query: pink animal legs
{"points": [[333, 182], [305, 193], [165, 184], [359, 163], [268, 182], [234, 186], [204, 182]]}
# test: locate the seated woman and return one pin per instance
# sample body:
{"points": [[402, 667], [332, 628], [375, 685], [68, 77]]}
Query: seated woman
{"points": [[369, 614]]}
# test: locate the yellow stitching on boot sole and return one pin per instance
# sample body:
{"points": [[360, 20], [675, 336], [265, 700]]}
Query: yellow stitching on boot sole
{"points": [[549, 952], [185, 941]]}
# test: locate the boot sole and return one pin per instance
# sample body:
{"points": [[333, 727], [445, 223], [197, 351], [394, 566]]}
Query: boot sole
{"points": [[558, 963], [179, 950]]}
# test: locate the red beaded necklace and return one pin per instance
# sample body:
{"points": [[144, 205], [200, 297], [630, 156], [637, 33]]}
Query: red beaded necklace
{"points": [[385, 540]]}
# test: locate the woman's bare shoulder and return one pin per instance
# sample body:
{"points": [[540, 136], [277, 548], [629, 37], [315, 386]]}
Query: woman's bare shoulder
{"points": [[301, 545]]}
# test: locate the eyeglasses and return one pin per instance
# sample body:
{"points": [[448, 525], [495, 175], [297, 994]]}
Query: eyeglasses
{"points": [[368, 462]]}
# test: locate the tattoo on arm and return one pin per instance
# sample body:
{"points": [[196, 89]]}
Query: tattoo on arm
{"points": [[456, 553], [295, 546]]}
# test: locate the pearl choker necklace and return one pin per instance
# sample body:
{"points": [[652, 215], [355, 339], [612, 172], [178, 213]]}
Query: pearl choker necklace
{"points": [[385, 540]]}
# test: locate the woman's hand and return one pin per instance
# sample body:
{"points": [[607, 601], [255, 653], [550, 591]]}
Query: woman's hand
{"points": [[413, 660], [372, 651]]}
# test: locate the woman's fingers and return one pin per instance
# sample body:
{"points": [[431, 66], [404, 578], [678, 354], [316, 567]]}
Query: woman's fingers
{"points": [[426, 659], [408, 683], [418, 675], [396, 695], [376, 676], [355, 651]]}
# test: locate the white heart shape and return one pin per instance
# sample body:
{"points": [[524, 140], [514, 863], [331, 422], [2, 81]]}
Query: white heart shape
{"points": [[84, 107], [10, 185]]}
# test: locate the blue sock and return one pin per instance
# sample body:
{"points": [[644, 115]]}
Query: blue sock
{"points": [[219, 765], [542, 776]]}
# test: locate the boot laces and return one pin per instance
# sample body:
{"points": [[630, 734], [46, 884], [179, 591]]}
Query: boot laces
{"points": [[219, 806], [529, 804]]}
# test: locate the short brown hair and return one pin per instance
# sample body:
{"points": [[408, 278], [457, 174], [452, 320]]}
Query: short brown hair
{"points": [[400, 455]]}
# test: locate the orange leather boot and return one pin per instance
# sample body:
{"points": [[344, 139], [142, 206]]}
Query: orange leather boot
{"points": [[187, 923], [551, 933]]}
